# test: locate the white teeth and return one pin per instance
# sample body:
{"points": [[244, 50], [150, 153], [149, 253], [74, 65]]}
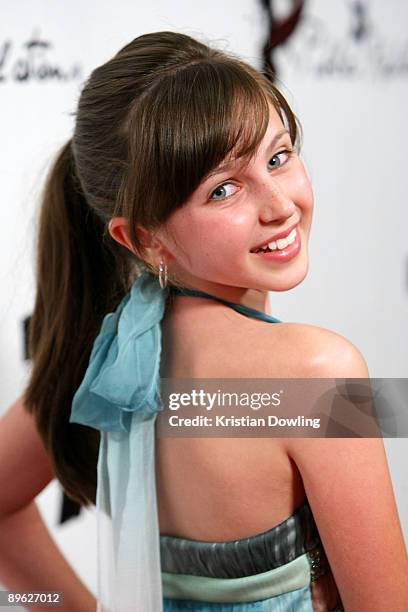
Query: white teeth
{"points": [[283, 242]]}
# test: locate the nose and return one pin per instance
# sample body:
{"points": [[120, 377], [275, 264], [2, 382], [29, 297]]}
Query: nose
{"points": [[274, 203]]}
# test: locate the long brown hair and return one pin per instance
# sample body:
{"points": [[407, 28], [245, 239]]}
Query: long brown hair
{"points": [[151, 123]]}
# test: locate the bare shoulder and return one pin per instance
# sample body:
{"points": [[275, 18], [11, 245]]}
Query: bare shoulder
{"points": [[212, 341], [310, 351]]}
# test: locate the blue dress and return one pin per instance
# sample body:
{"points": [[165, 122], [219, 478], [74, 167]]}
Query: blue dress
{"points": [[283, 569]]}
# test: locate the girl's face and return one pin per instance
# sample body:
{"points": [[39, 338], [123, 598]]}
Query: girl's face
{"points": [[211, 240]]}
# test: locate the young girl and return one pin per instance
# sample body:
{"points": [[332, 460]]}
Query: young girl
{"points": [[153, 263]]}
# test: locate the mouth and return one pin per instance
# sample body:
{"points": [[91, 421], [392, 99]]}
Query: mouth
{"points": [[278, 242], [284, 250]]}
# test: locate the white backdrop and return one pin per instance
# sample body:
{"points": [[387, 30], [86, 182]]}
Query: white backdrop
{"points": [[346, 75]]}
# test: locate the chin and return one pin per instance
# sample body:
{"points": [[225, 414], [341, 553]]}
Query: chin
{"points": [[290, 280], [287, 286]]}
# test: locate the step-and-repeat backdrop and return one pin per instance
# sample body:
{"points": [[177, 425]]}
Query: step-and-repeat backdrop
{"points": [[343, 66]]}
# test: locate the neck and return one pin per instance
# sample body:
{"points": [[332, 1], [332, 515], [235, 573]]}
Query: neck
{"points": [[254, 298]]}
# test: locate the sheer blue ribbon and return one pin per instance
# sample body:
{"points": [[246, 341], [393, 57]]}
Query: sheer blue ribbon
{"points": [[120, 396], [124, 367]]}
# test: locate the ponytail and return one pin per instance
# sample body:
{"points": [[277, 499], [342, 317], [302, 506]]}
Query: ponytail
{"points": [[82, 274]]}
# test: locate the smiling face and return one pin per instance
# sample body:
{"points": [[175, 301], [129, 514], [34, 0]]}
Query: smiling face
{"points": [[211, 240]]}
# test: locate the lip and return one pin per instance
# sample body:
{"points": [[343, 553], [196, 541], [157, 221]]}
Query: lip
{"points": [[283, 234], [283, 255]]}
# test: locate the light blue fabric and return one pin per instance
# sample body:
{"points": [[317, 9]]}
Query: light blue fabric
{"points": [[120, 396], [287, 577], [299, 600], [124, 367]]}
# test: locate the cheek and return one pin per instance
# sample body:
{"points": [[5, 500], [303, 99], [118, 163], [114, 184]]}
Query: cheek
{"points": [[233, 220], [212, 235], [227, 231]]}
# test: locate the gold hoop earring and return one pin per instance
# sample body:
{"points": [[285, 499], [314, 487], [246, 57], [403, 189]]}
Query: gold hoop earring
{"points": [[162, 274]]}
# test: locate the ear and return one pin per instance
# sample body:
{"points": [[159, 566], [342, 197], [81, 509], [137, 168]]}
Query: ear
{"points": [[119, 230]]}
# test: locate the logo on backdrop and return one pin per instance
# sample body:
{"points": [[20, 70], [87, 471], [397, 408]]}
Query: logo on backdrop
{"points": [[279, 31], [353, 43], [32, 61]]}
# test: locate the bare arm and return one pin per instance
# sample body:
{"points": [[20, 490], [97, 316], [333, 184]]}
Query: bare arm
{"points": [[29, 559], [349, 489]]}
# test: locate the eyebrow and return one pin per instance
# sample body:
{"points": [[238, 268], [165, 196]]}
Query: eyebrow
{"points": [[227, 165]]}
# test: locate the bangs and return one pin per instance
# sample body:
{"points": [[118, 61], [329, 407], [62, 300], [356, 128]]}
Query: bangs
{"points": [[193, 119], [208, 113]]}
